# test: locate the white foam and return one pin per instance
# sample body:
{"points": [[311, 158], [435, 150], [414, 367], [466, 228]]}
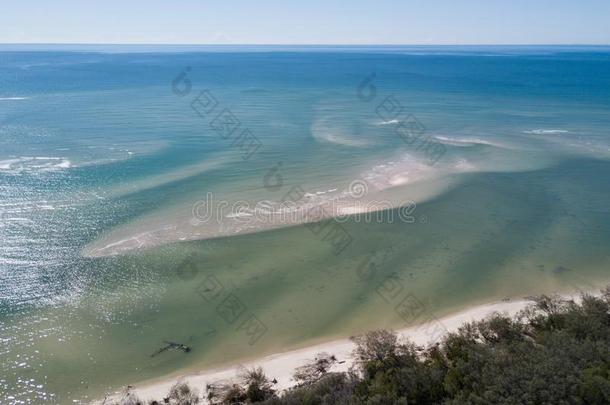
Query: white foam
{"points": [[546, 131], [390, 122], [35, 164], [465, 142], [13, 98], [349, 210], [239, 215], [65, 164], [6, 164]]}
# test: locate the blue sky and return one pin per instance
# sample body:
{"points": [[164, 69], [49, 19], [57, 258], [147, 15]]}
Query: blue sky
{"points": [[306, 22]]}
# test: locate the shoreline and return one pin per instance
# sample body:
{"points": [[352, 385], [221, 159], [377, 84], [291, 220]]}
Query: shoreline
{"points": [[281, 365]]}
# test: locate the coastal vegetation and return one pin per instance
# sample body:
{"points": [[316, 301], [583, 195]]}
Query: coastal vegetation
{"points": [[556, 351]]}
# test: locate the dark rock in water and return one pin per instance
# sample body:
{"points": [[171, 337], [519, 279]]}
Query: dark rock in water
{"points": [[560, 269]]}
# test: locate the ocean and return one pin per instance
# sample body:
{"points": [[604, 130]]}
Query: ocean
{"points": [[244, 200]]}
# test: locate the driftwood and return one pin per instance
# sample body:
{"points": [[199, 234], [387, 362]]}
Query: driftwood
{"points": [[172, 346]]}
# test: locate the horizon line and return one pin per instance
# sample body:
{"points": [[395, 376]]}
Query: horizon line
{"points": [[301, 44]]}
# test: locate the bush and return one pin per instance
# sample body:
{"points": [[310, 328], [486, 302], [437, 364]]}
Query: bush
{"points": [[182, 394], [258, 387], [253, 386]]}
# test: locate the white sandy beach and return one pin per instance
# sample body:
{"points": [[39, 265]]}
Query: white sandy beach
{"points": [[281, 366]]}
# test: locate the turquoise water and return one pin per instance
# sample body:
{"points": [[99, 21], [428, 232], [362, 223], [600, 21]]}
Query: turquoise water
{"points": [[102, 159]]}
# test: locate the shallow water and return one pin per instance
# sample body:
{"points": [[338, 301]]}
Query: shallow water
{"points": [[98, 152]]}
